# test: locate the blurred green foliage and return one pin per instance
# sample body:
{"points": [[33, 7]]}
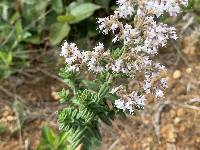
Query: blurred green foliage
{"points": [[2, 128], [28, 25], [194, 5], [52, 141], [194, 8]]}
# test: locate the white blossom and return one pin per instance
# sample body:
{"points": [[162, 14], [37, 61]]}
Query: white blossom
{"points": [[125, 8], [129, 103], [184, 2], [160, 7], [147, 86], [156, 7], [138, 99], [159, 93], [110, 23], [163, 82], [99, 48], [120, 104]]}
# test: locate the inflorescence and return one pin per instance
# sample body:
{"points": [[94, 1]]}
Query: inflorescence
{"points": [[135, 24]]}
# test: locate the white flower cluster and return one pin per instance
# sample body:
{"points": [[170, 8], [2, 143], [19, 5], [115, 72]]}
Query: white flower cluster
{"points": [[141, 39], [125, 9], [76, 59], [131, 101], [159, 7]]}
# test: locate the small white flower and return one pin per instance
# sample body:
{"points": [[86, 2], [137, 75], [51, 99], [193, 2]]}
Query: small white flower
{"points": [[138, 99], [114, 27], [184, 2], [159, 93], [125, 8], [163, 82], [147, 86], [99, 47], [120, 104], [74, 68], [129, 106], [115, 39], [157, 8]]}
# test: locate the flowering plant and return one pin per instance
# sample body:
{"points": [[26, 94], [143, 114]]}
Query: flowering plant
{"points": [[105, 92]]}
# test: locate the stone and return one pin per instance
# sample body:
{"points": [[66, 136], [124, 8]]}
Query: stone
{"points": [[177, 74], [180, 112], [168, 133], [55, 95], [189, 70], [177, 120]]}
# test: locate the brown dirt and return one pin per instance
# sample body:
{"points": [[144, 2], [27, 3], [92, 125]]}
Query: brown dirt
{"points": [[168, 124]]}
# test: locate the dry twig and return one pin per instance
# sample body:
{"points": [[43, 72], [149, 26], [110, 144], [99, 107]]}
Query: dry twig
{"points": [[157, 116], [14, 96], [114, 144], [50, 75]]}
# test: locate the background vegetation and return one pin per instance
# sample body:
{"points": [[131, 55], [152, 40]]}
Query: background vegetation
{"points": [[33, 26]]}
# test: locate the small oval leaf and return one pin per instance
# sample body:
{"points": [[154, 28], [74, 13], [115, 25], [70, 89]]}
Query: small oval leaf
{"points": [[83, 11], [58, 31], [66, 18]]}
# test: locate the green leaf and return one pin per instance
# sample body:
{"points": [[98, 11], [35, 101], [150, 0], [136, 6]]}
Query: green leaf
{"points": [[83, 11], [57, 5], [105, 119], [72, 5], [48, 135], [19, 29], [103, 90], [71, 84], [63, 136], [63, 95], [26, 1], [116, 53], [35, 39], [34, 10], [9, 58], [104, 3], [2, 128], [52, 141], [21, 34], [19, 112], [6, 57], [90, 85], [14, 17], [5, 11], [65, 18], [58, 31]]}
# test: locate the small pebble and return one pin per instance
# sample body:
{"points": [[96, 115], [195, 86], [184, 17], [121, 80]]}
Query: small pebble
{"points": [[6, 113], [55, 95], [180, 112], [10, 118], [172, 113], [189, 70], [177, 74], [168, 133], [177, 120]]}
